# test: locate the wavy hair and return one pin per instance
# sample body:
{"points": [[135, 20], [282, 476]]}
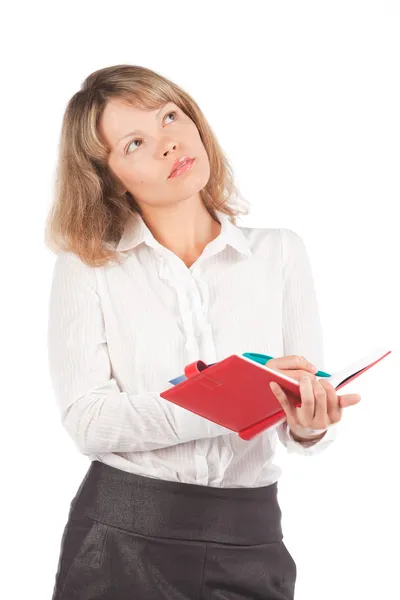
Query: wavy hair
{"points": [[89, 208]]}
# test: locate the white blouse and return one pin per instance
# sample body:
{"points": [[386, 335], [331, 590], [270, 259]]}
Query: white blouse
{"points": [[117, 334]]}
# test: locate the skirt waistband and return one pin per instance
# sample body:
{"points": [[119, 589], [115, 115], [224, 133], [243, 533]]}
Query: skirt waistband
{"points": [[168, 509]]}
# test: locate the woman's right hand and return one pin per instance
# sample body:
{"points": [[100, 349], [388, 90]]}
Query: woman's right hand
{"points": [[292, 366]]}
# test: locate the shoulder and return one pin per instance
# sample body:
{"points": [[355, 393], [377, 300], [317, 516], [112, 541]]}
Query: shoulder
{"points": [[66, 259], [257, 235], [69, 269], [292, 242], [285, 240]]}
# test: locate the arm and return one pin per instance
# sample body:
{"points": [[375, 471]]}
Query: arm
{"points": [[96, 413], [301, 327]]}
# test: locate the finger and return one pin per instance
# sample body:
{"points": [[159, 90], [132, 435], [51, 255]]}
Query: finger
{"points": [[320, 413], [296, 375], [289, 409], [301, 373], [349, 400], [292, 362], [306, 411], [307, 366], [333, 407]]}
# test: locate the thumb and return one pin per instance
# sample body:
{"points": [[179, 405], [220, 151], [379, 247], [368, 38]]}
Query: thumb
{"points": [[349, 400]]}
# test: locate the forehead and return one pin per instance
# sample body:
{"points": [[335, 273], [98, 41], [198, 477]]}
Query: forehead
{"points": [[119, 118]]}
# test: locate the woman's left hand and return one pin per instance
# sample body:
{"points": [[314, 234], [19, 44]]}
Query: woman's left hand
{"points": [[320, 407]]}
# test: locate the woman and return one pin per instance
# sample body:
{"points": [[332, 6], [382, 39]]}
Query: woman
{"points": [[152, 273]]}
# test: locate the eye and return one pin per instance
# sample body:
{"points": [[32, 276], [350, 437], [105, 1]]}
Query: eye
{"points": [[171, 113], [140, 140], [130, 144]]}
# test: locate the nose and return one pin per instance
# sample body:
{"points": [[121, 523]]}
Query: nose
{"points": [[170, 146]]}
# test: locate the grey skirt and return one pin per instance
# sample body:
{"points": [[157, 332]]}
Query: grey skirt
{"points": [[133, 537]]}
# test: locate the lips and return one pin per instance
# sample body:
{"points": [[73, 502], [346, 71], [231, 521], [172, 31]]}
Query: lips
{"points": [[179, 163]]}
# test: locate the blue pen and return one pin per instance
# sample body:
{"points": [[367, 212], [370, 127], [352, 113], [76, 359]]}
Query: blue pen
{"points": [[260, 358]]}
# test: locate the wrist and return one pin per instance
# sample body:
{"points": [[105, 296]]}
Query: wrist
{"points": [[305, 435]]}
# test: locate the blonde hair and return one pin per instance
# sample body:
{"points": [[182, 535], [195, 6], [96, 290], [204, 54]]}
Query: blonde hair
{"points": [[90, 209]]}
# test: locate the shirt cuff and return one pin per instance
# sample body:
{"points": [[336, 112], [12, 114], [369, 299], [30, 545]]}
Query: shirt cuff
{"points": [[307, 448]]}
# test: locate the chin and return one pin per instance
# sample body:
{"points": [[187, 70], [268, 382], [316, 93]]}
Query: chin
{"points": [[199, 178]]}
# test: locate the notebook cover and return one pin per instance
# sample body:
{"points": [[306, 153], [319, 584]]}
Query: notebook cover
{"points": [[234, 393]]}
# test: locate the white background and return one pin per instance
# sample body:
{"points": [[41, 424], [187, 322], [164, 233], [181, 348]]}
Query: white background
{"points": [[304, 98]]}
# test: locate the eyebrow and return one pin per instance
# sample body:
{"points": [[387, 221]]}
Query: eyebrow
{"points": [[134, 132]]}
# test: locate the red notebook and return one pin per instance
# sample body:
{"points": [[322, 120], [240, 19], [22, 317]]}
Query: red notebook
{"points": [[235, 392]]}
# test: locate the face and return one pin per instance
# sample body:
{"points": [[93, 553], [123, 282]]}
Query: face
{"points": [[145, 144]]}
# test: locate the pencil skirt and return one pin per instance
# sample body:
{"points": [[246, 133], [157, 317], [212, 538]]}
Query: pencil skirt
{"points": [[134, 537]]}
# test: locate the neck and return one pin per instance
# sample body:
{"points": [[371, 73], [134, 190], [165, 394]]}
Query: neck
{"points": [[185, 229]]}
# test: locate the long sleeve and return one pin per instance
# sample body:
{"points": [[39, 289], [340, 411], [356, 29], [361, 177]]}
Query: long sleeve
{"points": [[301, 325], [96, 413]]}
